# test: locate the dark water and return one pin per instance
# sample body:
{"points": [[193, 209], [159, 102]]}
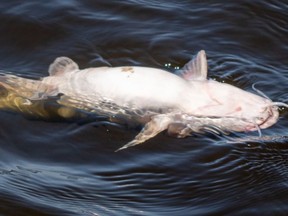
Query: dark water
{"points": [[59, 167]]}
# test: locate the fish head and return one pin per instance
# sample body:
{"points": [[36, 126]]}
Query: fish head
{"points": [[250, 111], [230, 107]]}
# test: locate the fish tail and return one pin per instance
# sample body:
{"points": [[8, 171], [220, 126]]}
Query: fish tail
{"points": [[23, 87]]}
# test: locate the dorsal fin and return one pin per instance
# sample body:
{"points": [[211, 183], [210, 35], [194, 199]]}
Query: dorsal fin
{"points": [[196, 69], [62, 65]]}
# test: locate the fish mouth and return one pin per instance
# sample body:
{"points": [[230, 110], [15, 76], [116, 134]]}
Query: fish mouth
{"points": [[271, 119], [266, 123], [254, 126]]}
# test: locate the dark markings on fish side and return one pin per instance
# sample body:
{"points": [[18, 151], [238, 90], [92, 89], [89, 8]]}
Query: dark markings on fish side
{"points": [[127, 69]]}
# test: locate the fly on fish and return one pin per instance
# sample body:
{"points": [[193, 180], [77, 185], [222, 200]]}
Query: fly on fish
{"points": [[182, 103]]}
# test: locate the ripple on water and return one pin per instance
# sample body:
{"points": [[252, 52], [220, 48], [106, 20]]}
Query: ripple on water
{"points": [[70, 168]]}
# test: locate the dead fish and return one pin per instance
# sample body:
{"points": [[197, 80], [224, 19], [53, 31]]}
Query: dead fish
{"points": [[182, 103]]}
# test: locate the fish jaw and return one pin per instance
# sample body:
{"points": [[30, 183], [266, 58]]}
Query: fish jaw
{"points": [[267, 121]]}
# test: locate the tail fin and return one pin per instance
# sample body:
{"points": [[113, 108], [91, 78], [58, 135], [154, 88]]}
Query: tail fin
{"points": [[27, 88]]}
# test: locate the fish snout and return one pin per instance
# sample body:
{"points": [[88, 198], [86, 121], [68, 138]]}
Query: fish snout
{"points": [[269, 117]]}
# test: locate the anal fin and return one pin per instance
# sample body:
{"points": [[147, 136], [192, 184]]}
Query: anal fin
{"points": [[156, 125]]}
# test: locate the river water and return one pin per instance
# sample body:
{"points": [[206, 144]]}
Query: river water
{"points": [[51, 165]]}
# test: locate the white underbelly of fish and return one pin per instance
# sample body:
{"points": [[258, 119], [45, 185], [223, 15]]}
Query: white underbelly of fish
{"points": [[117, 91]]}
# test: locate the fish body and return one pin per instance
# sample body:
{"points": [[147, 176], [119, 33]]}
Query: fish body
{"points": [[182, 103]]}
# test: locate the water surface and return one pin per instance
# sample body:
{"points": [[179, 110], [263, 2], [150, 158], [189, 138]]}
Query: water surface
{"points": [[51, 165]]}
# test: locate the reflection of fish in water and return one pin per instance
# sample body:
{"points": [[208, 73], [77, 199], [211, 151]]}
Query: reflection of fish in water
{"points": [[182, 103]]}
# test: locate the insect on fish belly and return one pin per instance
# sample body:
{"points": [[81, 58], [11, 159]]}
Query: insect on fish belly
{"points": [[145, 95]]}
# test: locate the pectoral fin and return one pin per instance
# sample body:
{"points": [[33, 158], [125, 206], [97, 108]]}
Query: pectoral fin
{"points": [[157, 124], [179, 130]]}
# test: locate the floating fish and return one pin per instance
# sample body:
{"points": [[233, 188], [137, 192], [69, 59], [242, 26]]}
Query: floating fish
{"points": [[182, 103]]}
